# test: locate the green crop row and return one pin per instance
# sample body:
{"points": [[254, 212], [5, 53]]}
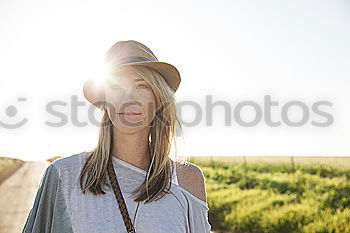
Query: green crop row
{"points": [[258, 198]]}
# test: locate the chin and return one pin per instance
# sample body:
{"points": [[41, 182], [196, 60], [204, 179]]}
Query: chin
{"points": [[129, 129]]}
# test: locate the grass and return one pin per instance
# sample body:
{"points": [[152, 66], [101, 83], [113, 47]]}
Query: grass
{"points": [[54, 158], [273, 195], [328, 161]]}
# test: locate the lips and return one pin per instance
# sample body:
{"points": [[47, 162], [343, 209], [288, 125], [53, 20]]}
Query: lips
{"points": [[129, 113]]}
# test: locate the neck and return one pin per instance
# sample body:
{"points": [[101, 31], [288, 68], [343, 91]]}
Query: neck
{"points": [[132, 147]]}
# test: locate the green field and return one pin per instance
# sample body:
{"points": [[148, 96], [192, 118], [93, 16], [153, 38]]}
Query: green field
{"points": [[277, 194], [329, 161]]}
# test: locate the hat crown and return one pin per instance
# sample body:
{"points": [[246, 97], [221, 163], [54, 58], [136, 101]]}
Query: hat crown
{"points": [[128, 51]]}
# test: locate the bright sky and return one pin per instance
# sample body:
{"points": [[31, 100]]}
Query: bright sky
{"points": [[233, 51]]}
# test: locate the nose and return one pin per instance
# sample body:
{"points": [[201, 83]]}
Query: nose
{"points": [[128, 90], [129, 97]]}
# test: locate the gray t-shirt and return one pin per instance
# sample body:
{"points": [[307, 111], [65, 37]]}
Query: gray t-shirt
{"points": [[60, 206]]}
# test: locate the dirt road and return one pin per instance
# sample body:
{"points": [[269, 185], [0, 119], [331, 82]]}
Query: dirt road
{"points": [[17, 195]]}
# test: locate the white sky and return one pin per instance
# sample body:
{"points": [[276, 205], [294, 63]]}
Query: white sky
{"points": [[232, 50]]}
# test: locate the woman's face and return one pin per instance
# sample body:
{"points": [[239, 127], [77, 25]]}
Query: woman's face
{"points": [[130, 101]]}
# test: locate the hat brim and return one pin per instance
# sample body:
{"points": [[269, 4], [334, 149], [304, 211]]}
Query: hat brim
{"points": [[168, 71], [93, 90]]}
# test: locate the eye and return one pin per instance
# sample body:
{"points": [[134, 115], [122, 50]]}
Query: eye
{"points": [[145, 86]]}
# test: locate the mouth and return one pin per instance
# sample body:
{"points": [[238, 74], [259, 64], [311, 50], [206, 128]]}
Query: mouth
{"points": [[130, 113]]}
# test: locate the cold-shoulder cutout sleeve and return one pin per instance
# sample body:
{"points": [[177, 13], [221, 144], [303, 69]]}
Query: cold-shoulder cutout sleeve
{"points": [[49, 213], [197, 213]]}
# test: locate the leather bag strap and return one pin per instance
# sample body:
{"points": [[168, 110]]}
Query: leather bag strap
{"points": [[119, 197]]}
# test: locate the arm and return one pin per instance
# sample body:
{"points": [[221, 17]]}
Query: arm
{"points": [[191, 179], [48, 213]]}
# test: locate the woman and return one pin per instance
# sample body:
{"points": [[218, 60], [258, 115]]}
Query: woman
{"points": [[127, 183]]}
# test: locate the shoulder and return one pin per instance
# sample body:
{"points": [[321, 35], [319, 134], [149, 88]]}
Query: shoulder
{"points": [[69, 161], [191, 178]]}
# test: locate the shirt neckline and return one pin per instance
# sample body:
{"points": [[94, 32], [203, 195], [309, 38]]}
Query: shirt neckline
{"points": [[129, 165], [122, 162], [135, 168]]}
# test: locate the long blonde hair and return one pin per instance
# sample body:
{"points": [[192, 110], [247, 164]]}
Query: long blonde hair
{"points": [[162, 130]]}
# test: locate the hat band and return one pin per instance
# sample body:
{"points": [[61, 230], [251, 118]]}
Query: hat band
{"points": [[126, 60]]}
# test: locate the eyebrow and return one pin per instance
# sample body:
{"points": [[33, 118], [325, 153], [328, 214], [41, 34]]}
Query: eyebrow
{"points": [[115, 81], [139, 79]]}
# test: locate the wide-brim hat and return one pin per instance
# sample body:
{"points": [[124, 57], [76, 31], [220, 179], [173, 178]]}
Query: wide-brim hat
{"points": [[129, 53]]}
